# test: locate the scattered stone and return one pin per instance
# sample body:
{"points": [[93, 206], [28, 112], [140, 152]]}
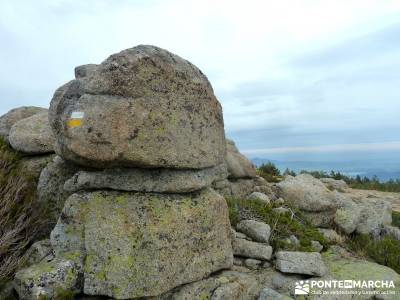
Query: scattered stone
{"points": [[252, 263], [242, 188], [269, 294], [309, 263], [46, 279], [238, 165], [240, 235], [316, 246], [257, 231], [141, 107], [279, 201], [251, 249], [133, 241], [281, 210], [32, 135], [15, 115], [330, 235], [146, 180], [259, 197], [333, 184], [293, 240]]}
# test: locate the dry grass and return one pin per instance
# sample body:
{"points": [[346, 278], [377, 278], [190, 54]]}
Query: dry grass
{"points": [[20, 220]]}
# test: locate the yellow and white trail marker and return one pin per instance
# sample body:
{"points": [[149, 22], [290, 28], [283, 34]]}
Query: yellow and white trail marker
{"points": [[76, 119]]}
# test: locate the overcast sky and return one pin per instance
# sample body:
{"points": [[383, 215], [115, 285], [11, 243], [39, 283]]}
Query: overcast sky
{"points": [[294, 77]]}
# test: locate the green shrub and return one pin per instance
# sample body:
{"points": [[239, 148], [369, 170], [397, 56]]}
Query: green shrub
{"points": [[385, 251], [396, 218], [269, 172], [282, 225], [20, 218]]}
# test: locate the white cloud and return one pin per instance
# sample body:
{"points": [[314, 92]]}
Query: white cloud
{"points": [[389, 146]]}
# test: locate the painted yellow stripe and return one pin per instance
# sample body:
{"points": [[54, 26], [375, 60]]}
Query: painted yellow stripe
{"points": [[74, 123]]}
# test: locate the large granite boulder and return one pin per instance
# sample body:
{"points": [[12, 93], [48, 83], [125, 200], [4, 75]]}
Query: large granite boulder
{"points": [[238, 164], [32, 135], [15, 115], [142, 107], [144, 244]]}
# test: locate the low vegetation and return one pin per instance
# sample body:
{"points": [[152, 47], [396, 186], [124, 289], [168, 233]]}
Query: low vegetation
{"points": [[20, 220], [385, 251], [272, 174], [282, 225]]}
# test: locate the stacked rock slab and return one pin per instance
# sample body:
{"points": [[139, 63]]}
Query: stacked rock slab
{"points": [[147, 220]]}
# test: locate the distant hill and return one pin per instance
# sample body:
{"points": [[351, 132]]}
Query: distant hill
{"points": [[383, 170]]}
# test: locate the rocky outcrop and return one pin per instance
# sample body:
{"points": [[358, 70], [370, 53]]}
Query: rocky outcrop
{"points": [[15, 115], [32, 135], [245, 248], [140, 141], [142, 107]]}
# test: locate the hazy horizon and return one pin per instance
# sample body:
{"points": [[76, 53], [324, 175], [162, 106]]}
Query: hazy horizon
{"points": [[303, 81]]}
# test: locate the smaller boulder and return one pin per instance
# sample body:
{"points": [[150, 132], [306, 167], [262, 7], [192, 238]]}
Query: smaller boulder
{"points": [[333, 184], [15, 115], [46, 279], [309, 263], [32, 135], [251, 249], [39, 251], [259, 197], [348, 217], [252, 263], [330, 235], [257, 231], [316, 246]]}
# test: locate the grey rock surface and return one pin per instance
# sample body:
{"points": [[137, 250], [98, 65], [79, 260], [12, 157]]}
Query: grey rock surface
{"points": [[32, 135], [46, 279], [144, 244], [270, 294], [238, 165], [13, 116], [85, 70], [146, 180], [259, 197], [308, 193], [309, 263], [245, 248], [141, 107], [50, 187], [333, 184], [257, 231]]}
